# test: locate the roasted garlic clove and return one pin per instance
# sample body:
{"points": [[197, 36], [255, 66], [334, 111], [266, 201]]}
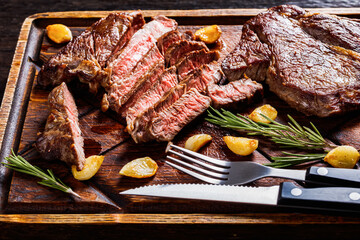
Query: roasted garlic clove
{"points": [[342, 157], [194, 143], [209, 34], [59, 33], [240, 145], [91, 167], [140, 168], [267, 110]]}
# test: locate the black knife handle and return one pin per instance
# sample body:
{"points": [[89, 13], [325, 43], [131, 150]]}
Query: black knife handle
{"points": [[334, 176], [331, 198]]}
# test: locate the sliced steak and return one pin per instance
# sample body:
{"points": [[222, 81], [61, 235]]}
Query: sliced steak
{"points": [[169, 122], [62, 138], [164, 83], [233, 93], [141, 124], [167, 40], [203, 76], [193, 60], [120, 91], [313, 76], [124, 61], [79, 58], [177, 50]]}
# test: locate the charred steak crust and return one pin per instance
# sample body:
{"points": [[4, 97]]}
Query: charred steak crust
{"points": [[167, 40], [62, 138], [310, 74]]}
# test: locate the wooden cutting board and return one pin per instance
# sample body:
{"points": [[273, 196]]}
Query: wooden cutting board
{"points": [[24, 111]]}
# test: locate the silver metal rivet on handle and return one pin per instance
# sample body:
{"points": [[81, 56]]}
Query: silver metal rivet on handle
{"points": [[322, 171], [354, 196], [296, 192]]}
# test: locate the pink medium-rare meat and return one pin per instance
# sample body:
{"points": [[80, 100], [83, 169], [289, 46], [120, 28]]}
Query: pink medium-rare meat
{"points": [[168, 123], [233, 93], [164, 83], [139, 132], [178, 50], [120, 91], [167, 40], [193, 60], [62, 138], [142, 41]]}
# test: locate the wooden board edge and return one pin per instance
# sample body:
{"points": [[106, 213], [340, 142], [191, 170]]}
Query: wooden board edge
{"points": [[187, 13], [108, 219]]}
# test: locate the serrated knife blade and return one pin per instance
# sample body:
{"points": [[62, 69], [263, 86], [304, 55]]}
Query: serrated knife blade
{"points": [[287, 194]]}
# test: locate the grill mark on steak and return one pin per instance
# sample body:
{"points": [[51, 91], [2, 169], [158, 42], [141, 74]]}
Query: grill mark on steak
{"points": [[167, 40], [164, 83], [177, 50], [233, 93], [141, 124], [314, 77], [79, 58], [193, 60], [62, 138], [169, 122], [141, 42], [121, 90]]}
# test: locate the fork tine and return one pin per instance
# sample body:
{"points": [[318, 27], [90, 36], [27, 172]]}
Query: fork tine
{"points": [[203, 157], [197, 175], [204, 164], [213, 174]]}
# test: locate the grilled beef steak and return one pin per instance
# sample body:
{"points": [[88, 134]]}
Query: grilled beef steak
{"points": [[85, 56], [233, 93], [167, 40], [311, 73], [177, 50], [62, 138]]}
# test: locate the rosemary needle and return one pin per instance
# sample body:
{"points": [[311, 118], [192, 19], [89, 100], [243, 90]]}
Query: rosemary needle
{"points": [[19, 164], [291, 135]]}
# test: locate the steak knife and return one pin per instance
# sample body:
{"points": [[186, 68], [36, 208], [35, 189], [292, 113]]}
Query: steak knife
{"points": [[287, 194]]}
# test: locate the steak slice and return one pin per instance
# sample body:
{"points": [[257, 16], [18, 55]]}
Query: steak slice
{"points": [[312, 76], [233, 93], [167, 40], [169, 122], [140, 132], [164, 83], [121, 90], [124, 61], [193, 60], [177, 50], [62, 138], [79, 58]]}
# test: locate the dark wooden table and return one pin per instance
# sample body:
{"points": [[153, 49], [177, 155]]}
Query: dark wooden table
{"points": [[13, 13]]}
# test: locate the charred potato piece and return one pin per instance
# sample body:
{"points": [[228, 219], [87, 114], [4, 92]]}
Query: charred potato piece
{"points": [[139, 168], [342, 157], [240, 145], [209, 34], [194, 143], [59, 33], [267, 110], [91, 167]]}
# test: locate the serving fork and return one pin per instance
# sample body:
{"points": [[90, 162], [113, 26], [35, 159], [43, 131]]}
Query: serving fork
{"points": [[217, 171]]}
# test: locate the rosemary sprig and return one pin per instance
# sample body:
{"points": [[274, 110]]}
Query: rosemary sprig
{"points": [[19, 164], [291, 135]]}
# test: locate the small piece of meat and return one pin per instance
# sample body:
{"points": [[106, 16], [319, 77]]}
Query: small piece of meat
{"points": [[233, 93], [193, 60], [140, 132], [168, 123], [177, 50], [189, 35], [164, 83], [62, 138], [84, 57], [122, 89], [200, 78], [124, 61], [167, 40]]}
